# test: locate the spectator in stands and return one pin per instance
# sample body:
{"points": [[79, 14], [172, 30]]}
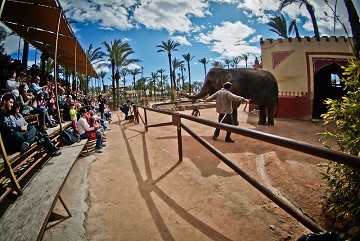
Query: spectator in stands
{"points": [[23, 80], [66, 108], [84, 126], [25, 102], [39, 107], [107, 113], [17, 138], [36, 89], [18, 134], [51, 107], [12, 84]]}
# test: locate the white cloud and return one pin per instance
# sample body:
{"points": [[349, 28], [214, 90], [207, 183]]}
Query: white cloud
{"points": [[229, 39], [264, 9], [107, 14], [173, 16], [181, 40]]}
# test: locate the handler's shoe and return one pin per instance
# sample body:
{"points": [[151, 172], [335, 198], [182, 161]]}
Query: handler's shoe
{"points": [[229, 140]]}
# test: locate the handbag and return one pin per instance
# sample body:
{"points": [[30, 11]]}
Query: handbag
{"points": [[91, 134]]}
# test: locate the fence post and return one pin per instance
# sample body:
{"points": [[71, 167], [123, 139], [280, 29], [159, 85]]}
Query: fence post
{"points": [[176, 119], [146, 123]]}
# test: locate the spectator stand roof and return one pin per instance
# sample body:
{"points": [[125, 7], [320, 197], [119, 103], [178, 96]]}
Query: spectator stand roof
{"points": [[43, 24]]}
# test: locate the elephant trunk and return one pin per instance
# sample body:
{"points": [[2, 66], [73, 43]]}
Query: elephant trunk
{"points": [[203, 92]]}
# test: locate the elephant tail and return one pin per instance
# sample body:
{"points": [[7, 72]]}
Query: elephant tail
{"points": [[277, 109]]}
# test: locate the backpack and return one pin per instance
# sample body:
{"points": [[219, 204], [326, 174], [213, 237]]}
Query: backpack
{"points": [[68, 137]]}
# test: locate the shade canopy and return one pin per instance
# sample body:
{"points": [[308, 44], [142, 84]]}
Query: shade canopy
{"points": [[37, 21]]}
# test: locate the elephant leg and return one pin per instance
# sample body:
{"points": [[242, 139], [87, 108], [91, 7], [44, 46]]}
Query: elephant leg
{"points": [[262, 115], [271, 116], [234, 115]]}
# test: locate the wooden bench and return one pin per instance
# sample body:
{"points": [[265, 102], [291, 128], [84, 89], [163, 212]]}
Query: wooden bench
{"points": [[24, 164], [27, 218]]}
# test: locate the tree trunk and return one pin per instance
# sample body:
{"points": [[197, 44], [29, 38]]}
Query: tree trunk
{"points": [[113, 83], [355, 26], [189, 78], [313, 19], [25, 54], [171, 78]]}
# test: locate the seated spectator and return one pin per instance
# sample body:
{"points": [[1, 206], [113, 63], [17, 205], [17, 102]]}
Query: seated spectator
{"points": [[84, 126], [25, 102], [39, 107], [107, 113], [97, 118], [51, 107], [18, 134], [36, 89], [23, 80], [12, 84]]}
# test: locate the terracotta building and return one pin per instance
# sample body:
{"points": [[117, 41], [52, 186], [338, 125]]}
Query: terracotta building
{"points": [[308, 72]]}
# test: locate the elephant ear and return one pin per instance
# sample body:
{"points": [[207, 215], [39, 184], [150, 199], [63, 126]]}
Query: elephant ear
{"points": [[225, 76]]}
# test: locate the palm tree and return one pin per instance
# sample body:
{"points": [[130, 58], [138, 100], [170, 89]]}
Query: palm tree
{"points": [[355, 26], [217, 64], [153, 78], [102, 75], [309, 8], [227, 63], [134, 72], [49, 65], [168, 47], [245, 57], [188, 58], [176, 64], [278, 25], [294, 28], [236, 61], [161, 71], [111, 54], [123, 73], [204, 62], [118, 54], [95, 57], [3, 35]]}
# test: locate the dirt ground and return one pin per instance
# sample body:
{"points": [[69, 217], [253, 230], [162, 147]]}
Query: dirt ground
{"points": [[137, 189]]}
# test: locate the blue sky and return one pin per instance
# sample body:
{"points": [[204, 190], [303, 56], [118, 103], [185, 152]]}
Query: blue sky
{"points": [[215, 30]]}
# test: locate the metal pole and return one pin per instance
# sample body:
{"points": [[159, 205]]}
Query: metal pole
{"points": [[2, 7], [55, 69]]}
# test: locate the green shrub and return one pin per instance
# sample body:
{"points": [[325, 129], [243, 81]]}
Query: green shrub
{"points": [[342, 204]]}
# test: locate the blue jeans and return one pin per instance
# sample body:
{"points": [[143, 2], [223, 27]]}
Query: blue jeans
{"points": [[98, 139], [16, 138]]}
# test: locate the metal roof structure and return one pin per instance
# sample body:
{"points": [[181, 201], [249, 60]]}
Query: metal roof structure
{"points": [[43, 24]]}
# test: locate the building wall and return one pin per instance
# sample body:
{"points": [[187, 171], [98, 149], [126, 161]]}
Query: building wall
{"points": [[294, 62]]}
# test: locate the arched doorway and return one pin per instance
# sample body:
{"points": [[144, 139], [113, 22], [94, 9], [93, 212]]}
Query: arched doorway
{"points": [[327, 84]]}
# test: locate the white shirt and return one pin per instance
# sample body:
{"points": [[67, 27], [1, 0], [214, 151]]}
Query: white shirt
{"points": [[83, 126]]}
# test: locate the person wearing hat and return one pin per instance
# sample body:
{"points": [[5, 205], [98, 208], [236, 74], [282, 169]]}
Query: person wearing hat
{"points": [[224, 100]]}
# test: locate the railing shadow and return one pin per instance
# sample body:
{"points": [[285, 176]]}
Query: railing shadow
{"points": [[148, 185]]}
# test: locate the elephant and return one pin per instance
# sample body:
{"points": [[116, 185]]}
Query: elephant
{"points": [[258, 85]]}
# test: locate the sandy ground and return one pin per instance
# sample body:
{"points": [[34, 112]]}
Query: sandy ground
{"points": [[137, 189]]}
